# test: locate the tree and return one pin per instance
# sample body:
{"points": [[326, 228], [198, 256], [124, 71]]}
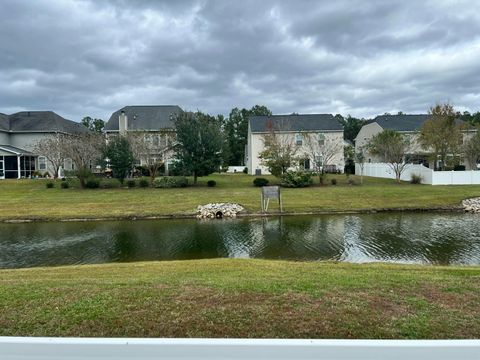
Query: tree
{"points": [[360, 160], [322, 150], [279, 152], [120, 157], [54, 149], [95, 125], [85, 150], [351, 126], [236, 131], [198, 147], [442, 135], [472, 150], [391, 147], [149, 149]]}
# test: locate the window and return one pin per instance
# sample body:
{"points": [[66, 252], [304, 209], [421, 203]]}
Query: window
{"points": [[299, 139], [68, 165], [321, 139], [42, 163]]}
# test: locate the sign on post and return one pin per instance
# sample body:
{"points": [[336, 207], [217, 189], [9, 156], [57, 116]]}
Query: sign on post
{"points": [[271, 192]]}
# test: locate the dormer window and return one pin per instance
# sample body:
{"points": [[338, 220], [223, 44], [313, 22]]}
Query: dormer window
{"points": [[299, 139]]}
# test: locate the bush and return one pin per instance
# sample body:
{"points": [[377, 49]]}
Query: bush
{"points": [[211, 183], [64, 185], [459, 168], [333, 181], [351, 181], [170, 182], [110, 183], [260, 182], [92, 183], [131, 183], [296, 179], [415, 179], [245, 170], [144, 183], [50, 185]]}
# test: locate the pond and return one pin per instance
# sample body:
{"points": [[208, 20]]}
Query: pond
{"points": [[418, 238]]}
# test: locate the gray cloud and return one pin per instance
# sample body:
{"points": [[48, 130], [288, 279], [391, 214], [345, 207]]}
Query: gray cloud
{"points": [[83, 58]]}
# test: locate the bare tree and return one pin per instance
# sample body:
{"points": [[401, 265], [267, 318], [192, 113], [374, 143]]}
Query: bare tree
{"points": [[360, 160], [280, 150], [322, 150], [391, 146], [85, 150], [150, 149], [54, 148]]}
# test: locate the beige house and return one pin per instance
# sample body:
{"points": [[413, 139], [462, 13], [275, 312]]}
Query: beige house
{"points": [[317, 140], [152, 124], [20, 132], [409, 126]]}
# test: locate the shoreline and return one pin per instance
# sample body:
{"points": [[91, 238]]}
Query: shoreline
{"points": [[439, 209]]}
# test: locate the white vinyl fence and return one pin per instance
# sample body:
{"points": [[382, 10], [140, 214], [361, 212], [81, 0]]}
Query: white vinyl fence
{"points": [[234, 349], [382, 170]]}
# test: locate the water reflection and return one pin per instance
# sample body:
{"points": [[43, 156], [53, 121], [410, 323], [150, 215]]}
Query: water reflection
{"points": [[405, 238]]}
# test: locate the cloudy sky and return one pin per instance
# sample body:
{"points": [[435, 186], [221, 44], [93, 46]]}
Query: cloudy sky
{"points": [[362, 58]]}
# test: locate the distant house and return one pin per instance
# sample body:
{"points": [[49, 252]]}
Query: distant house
{"points": [[19, 134], [409, 126], [153, 123], [320, 132]]}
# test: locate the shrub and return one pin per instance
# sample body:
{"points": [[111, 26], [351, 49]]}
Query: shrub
{"points": [[50, 185], [144, 183], [92, 183], [351, 181], [296, 179], [333, 181], [110, 183], [415, 179], [64, 185], [260, 182], [170, 182], [245, 170], [211, 183], [131, 183], [459, 168]]}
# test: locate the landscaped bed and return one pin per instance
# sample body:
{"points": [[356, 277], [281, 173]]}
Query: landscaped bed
{"points": [[242, 298], [30, 199]]}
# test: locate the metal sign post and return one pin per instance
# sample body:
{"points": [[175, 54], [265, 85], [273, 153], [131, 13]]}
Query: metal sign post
{"points": [[271, 192]]}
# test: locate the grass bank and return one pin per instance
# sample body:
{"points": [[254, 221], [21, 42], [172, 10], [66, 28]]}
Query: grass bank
{"points": [[29, 199], [242, 298]]}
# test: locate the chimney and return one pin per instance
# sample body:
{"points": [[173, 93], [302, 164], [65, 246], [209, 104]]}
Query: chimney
{"points": [[122, 123]]}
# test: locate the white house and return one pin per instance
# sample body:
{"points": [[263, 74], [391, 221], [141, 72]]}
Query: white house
{"points": [[317, 138], [409, 126], [20, 132], [153, 123]]}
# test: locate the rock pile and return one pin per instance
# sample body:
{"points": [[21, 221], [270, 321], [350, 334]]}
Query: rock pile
{"points": [[472, 205], [219, 210]]}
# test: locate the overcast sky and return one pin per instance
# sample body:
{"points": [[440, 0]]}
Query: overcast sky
{"points": [[362, 58]]}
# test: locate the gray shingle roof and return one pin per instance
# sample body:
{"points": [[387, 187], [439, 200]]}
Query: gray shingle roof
{"points": [[402, 122], [145, 117], [307, 122], [39, 121], [4, 123], [15, 150]]}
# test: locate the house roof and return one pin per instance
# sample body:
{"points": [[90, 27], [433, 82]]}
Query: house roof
{"points": [[16, 151], [39, 121], [402, 122], [305, 122], [145, 117]]}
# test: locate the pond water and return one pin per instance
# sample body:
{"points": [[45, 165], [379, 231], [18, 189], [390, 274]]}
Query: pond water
{"points": [[421, 238]]}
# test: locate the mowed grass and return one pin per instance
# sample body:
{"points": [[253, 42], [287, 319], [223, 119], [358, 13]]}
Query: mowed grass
{"points": [[29, 199], [242, 298]]}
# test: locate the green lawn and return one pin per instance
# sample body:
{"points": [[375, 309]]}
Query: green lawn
{"points": [[242, 298], [29, 199]]}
